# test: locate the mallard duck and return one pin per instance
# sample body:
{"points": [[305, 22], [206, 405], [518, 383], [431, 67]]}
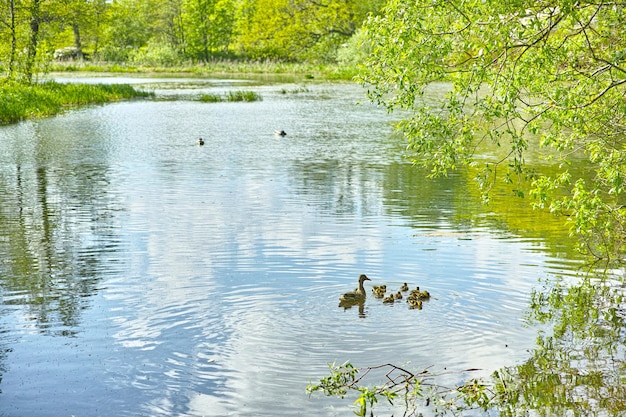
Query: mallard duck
{"points": [[280, 133], [200, 141], [398, 296], [358, 294], [404, 287]]}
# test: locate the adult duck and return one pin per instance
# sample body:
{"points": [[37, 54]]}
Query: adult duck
{"points": [[358, 294], [280, 133], [200, 141]]}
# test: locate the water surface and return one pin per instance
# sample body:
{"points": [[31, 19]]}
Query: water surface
{"points": [[143, 275]]}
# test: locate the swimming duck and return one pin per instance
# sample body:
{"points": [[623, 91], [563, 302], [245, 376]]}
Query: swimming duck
{"points": [[398, 295], [200, 141], [358, 294], [414, 303], [404, 287], [280, 133]]}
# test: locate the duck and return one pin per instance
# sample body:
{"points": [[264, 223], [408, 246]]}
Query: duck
{"points": [[415, 303], [404, 287], [280, 133], [358, 294], [200, 141], [398, 296]]}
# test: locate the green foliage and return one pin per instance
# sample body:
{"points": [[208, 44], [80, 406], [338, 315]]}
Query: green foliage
{"points": [[155, 54], [540, 81], [416, 391]]}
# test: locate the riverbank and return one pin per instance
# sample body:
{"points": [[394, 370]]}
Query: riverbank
{"points": [[327, 72], [22, 101]]}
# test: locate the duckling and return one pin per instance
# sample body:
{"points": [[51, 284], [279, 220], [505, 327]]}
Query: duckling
{"points": [[200, 141], [404, 287], [389, 300], [379, 291], [398, 296], [415, 304], [419, 294], [280, 133], [358, 294]]}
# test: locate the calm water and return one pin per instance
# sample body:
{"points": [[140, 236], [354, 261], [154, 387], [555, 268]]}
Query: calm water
{"points": [[143, 275]]}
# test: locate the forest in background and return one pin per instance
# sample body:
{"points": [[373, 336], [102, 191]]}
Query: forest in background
{"points": [[178, 32]]}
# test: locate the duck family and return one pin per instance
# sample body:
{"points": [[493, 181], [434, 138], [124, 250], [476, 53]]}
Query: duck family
{"points": [[414, 299]]}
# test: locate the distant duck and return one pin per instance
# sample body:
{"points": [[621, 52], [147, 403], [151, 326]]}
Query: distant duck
{"points": [[404, 287], [280, 133], [358, 294], [200, 141]]}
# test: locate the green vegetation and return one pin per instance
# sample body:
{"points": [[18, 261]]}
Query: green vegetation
{"points": [[20, 101], [231, 96], [210, 98], [131, 35], [414, 390], [243, 96], [542, 83]]}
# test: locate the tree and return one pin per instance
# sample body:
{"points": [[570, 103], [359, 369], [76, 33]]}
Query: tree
{"points": [[541, 80], [299, 30], [208, 26]]}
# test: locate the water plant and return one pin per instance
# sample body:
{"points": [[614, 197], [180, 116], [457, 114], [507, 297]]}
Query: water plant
{"points": [[210, 98], [241, 95]]}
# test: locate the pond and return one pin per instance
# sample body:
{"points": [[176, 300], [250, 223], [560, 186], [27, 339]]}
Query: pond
{"points": [[144, 275]]}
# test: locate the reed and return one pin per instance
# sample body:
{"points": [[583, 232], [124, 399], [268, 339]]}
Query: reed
{"points": [[210, 98], [243, 96]]}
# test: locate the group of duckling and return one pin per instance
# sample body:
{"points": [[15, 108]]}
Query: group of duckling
{"points": [[414, 299]]}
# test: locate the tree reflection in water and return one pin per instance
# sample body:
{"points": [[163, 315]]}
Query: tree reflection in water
{"points": [[579, 368]]}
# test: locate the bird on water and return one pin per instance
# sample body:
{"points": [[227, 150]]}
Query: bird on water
{"points": [[280, 133], [358, 294], [200, 141]]}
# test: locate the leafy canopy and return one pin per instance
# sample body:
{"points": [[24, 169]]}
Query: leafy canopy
{"points": [[528, 82]]}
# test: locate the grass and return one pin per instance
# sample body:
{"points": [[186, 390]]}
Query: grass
{"points": [[231, 96], [243, 96], [24, 101], [328, 72]]}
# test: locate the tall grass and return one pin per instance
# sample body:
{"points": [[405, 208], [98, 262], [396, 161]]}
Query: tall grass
{"points": [[22, 101], [305, 71], [239, 95]]}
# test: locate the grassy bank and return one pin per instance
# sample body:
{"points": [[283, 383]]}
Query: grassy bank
{"points": [[329, 72], [20, 101]]}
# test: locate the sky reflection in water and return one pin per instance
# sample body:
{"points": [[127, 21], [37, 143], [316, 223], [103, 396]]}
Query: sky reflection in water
{"points": [[205, 280]]}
